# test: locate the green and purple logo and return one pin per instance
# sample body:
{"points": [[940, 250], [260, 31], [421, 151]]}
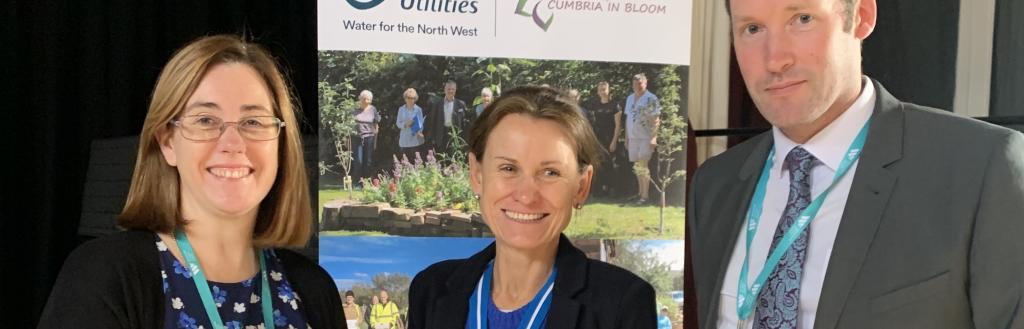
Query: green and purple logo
{"points": [[535, 15]]}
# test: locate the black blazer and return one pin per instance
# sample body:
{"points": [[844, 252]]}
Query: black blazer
{"points": [[435, 131], [587, 294], [115, 282]]}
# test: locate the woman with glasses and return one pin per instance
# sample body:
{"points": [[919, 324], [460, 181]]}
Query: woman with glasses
{"points": [[410, 121], [219, 185]]}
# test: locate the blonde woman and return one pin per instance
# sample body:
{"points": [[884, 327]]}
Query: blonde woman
{"points": [[410, 122]]}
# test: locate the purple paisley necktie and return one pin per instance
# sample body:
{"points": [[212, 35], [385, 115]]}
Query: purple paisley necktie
{"points": [[779, 300]]}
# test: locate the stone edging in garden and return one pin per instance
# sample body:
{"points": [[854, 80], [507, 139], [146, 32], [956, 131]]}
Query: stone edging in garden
{"points": [[345, 215]]}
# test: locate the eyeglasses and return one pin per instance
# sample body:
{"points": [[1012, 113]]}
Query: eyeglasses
{"points": [[205, 128]]}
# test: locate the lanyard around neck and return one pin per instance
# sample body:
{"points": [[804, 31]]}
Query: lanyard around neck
{"points": [[204, 288], [480, 302], [746, 295]]}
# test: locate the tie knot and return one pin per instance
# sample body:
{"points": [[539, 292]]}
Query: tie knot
{"points": [[799, 161]]}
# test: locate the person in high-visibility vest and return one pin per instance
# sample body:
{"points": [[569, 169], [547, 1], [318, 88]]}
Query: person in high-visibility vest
{"points": [[384, 315]]}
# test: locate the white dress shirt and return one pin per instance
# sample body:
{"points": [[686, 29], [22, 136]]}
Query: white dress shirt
{"points": [[828, 147], [449, 107]]}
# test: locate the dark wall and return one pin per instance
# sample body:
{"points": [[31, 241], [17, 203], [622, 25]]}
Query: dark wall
{"points": [[76, 71], [912, 51], [1008, 61]]}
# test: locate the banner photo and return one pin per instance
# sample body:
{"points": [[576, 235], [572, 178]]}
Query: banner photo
{"points": [[401, 82], [638, 31]]}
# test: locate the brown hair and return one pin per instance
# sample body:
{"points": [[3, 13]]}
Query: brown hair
{"points": [[284, 218], [543, 103], [848, 10]]}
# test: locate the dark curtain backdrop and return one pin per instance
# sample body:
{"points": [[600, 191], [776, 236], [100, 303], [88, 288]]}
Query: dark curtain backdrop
{"points": [[912, 51], [1008, 61], [74, 71]]}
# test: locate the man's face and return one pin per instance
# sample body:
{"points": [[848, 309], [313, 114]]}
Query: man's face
{"points": [[796, 59], [383, 296], [639, 85], [449, 90]]}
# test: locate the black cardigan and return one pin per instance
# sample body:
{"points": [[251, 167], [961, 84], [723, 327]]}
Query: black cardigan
{"points": [[115, 282], [587, 294]]}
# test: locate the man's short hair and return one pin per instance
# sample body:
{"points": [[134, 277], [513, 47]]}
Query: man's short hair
{"points": [[450, 82], [350, 293], [847, 13], [640, 77]]}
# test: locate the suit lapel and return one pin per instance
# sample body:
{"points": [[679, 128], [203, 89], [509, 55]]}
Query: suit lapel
{"points": [[872, 185], [726, 228], [451, 310], [572, 272]]}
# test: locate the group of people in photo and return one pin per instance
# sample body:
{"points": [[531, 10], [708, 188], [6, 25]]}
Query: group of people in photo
{"points": [[380, 313], [627, 129]]}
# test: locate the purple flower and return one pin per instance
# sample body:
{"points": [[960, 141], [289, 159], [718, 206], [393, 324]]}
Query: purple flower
{"points": [[405, 160], [185, 321], [179, 269], [279, 319]]}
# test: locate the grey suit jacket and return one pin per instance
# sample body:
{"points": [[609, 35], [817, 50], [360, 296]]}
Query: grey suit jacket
{"points": [[932, 235]]}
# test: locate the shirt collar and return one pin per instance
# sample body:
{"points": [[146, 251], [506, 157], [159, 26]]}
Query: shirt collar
{"points": [[831, 143]]}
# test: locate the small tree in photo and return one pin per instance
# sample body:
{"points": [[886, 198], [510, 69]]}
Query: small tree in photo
{"points": [[339, 121], [671, 138]]}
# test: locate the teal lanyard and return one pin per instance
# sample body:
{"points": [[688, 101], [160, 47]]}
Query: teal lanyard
{"points": [[204, 288], [480, 301], [746, 295]]}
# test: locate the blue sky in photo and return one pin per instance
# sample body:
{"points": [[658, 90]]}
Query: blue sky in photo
{"points": [[350, 260], [668, 251]]}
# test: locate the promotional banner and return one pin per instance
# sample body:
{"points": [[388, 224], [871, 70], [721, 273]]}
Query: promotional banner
{"points": [[395, 195]]}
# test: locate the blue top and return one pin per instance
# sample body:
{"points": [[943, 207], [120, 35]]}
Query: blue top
{"points": [[664, 322], [640, 114], [407, 136], [496, 319], [238, 303]]}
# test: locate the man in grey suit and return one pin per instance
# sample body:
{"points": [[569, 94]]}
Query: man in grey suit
{"points": [[856, 210]]}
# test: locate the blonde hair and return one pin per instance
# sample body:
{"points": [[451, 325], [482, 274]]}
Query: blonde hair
{"points": [[284, 218], [412, 92]]}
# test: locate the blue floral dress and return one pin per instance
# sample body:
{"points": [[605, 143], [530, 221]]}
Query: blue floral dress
{"points": [[238, 303]]}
